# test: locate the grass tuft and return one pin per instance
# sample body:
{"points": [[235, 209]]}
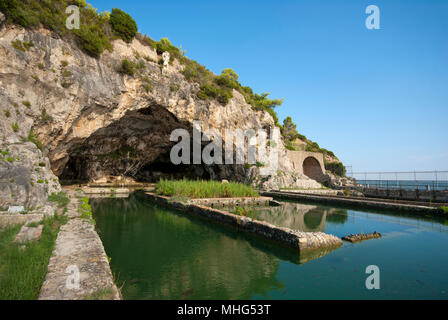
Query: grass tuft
{"points": [[203, 189], [60, 198], [22, 271]]}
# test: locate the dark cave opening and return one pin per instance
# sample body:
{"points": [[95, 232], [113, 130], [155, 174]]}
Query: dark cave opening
{"points": [[138, 146], [74, 172]]}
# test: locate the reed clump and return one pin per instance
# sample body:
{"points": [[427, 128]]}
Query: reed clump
{"points": [[203, 189]]}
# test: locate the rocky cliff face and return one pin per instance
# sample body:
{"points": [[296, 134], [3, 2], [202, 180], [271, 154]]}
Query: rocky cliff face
{"points": [[95, 122]]}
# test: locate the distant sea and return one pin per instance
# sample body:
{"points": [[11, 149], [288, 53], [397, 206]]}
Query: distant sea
{"points": [[406, 184]]}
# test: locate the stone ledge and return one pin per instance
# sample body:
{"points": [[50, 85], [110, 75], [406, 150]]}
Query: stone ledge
{"points": [[303, 241], [90, 190], [361, 202], [328, 192], [7, 220], [29, 234], [223, 202], [78, 244]]}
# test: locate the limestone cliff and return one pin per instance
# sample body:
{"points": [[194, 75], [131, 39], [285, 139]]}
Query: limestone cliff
{"points": [[93, 121]]}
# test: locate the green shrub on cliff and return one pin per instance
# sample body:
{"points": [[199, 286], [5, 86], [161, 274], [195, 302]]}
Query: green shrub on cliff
{"points": [[18, 12], [165, 45], [98, 29], [94, 33], [127, 67], [22, 46], [93, 36], [123, 25], [289, 130], [33, 139], [336, 167]]}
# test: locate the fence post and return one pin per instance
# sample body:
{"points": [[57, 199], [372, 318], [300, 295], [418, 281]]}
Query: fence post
{"points": [[437, 184]]}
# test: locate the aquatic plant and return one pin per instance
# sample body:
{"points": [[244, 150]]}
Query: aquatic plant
{"points": [[245, 212], [203, 189], [84, 208]]}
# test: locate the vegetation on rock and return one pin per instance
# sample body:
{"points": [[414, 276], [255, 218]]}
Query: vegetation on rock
{"points": [[60, 198], [336, 167], [22, 271], [98, 30], [33, 139], [127, 67], [245, 212], [85, 209], [123, 25]]}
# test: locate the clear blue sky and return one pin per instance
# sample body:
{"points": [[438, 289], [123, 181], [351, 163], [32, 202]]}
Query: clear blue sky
{"points": [[377, 98]]}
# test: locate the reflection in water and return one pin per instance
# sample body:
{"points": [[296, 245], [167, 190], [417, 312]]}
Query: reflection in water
{"points": [[159, 254], [163, 255], [303, 217]]}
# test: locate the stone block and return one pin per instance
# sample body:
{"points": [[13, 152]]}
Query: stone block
{"points": [[29, 234]]}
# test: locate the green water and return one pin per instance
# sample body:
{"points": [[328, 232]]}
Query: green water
{"points": [[161, 254]]}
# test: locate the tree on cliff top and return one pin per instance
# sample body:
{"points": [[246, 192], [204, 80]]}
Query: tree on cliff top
{"points": [[123, 25], [289, 129]]}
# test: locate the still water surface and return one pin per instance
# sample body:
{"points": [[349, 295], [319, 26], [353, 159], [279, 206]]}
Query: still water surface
{"points": [[161, 254]]}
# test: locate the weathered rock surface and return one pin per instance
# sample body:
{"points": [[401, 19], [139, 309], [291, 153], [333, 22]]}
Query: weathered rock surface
{"points": [[25, 175], [27, 234], [362, 236], [7, 220], [95, 122]]}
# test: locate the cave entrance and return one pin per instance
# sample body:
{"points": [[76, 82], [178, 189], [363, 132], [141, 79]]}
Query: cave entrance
{"points": [[163, 168], [74, 172], [138, 146]]}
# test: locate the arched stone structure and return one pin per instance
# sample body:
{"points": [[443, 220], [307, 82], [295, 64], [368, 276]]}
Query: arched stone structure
{"points": [[312, 169], [310, 164]]}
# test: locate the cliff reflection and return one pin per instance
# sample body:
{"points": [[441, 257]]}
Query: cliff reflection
{"points": [[303, 217]]}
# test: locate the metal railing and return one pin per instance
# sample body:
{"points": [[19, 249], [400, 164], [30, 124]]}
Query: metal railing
{"points": [[403, 180]]}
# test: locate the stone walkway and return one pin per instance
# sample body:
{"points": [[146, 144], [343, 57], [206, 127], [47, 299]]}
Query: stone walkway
{"points": [[78, 254]]}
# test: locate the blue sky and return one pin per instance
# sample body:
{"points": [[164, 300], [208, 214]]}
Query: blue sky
{"points": [[377, 98]]}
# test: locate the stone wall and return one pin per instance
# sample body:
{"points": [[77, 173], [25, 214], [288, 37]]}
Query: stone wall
{"points": [[357, 202], [419, 195], [225, 202], [310, 164], [303, 241]]}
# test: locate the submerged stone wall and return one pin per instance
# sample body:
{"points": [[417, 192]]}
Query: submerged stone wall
{"points": [[303, 241], [418, 195], [225, 202]]}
